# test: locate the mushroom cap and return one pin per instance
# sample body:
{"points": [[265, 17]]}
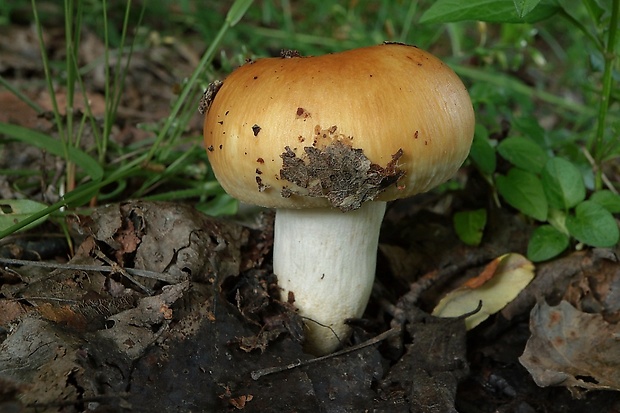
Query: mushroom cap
{"points": [[380, 122]]}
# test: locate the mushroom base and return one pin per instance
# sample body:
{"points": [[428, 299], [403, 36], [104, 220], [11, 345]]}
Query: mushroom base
{"points": [[325, 261]]}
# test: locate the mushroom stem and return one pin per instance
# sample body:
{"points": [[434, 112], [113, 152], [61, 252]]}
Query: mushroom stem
{"points": [[327, 259]]}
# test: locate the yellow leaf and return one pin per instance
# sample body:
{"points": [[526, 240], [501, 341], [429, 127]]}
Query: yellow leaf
{"points": [[497, 285]]}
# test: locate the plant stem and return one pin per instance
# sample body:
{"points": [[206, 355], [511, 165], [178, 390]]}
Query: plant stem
{"points": [[46, 69], [609, 55]]}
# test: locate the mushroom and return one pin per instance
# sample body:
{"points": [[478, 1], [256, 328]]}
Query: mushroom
{"points": [[327, 141]]}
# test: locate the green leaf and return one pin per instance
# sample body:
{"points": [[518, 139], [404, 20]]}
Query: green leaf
{"points": [[523, 190], [493, 11], [222, 204], [593, 225], [607, 200], [14, 210], [469, 225], [594, 10], [529, 127], [524, 7], [546, 242], [523, 153], [563, 184], [54, 146], [482, 153]]}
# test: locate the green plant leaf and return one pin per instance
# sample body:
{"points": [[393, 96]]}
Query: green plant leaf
{"points": [[237, 10], [546, 242], [524, 7], [523, 190], [14, 210], [523, 153], [529, 127], [607, 200], [594, 10], [53, 146], [494, 11], [593, 225], [222, 204], [469, 225], [481, 152], [563, 184]]}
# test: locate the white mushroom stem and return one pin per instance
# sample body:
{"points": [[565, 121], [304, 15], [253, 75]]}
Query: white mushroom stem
{"points": [[327, 260]]}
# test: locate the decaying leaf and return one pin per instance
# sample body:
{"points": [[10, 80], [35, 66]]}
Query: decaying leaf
{"points": [[571, 348], [41, 359], [498, 284], [137, 328]]}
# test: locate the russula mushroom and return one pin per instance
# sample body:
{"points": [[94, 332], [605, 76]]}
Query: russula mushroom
{"points": [[327, 140]]}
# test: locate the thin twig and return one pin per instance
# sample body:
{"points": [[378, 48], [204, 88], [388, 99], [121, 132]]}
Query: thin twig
{"points": [[257, 374], [169, 278], [120, 270]]}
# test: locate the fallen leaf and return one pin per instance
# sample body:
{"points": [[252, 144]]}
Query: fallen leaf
{"points": [[497, 285], [571, 348], [486, 274], [128, 327], [63, 314], [10, 311]]}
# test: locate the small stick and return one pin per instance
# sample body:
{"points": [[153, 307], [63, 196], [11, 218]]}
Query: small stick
{"points": [[101, 268], [257, 374], [118, 269]]}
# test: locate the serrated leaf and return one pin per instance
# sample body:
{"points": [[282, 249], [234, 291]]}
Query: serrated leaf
{"points": [[493, 11], [593, 225], [607, 200], [523, 153], [14, 210], [563, 184], [502, 280], [469, 225], [523, 191], [524, 7], [546, 242]]}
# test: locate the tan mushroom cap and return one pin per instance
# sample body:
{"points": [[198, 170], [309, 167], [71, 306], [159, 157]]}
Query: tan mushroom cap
{"points": [[381, 122]]}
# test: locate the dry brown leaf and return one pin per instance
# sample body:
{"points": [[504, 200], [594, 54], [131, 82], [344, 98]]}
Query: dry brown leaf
{"points": [[570, 348], [10, 311], [63, 315], [134, 330]]}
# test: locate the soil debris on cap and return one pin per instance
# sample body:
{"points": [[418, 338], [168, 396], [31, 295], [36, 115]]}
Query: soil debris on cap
{"points": [[288, 53], [341, 174], [208, 96], [255, 129]]}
